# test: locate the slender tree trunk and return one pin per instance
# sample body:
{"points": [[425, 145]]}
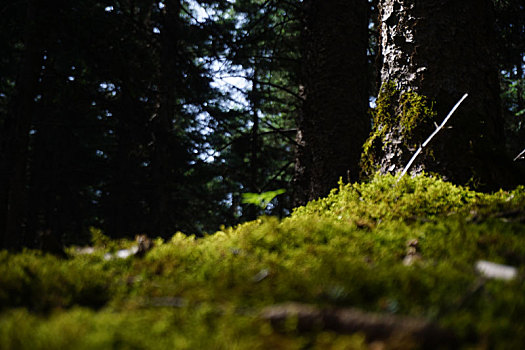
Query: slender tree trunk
{"points": [[302, 185], [123, 205], [163, 128], [440, 50], [4, 187], [15, 146], [253, 184], [519, 101], [334, 123], [519, 76]]}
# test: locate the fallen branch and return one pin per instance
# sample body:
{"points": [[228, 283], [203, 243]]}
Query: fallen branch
{"points": [[348, 320], [430, 137]]}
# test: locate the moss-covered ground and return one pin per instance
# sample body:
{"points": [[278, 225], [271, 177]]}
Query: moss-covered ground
{"points": [[346, 250]]}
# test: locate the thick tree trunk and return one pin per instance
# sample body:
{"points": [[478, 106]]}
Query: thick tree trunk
{"points": [[15, 145], [440, 50], [334, 123]]}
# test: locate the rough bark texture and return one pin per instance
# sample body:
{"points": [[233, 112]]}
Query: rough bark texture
{"points": [[442, 49], [334, 122]]}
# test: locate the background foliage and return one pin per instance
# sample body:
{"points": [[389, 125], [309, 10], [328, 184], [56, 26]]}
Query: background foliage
{"points": [[229, 95]]}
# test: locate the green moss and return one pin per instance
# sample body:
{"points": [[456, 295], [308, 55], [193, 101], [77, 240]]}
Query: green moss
{"points": [[415, 110], [345, 250], [405, 110]]}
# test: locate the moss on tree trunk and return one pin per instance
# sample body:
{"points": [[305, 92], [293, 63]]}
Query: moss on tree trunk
{"points": [[398, 120], [432, 53]]}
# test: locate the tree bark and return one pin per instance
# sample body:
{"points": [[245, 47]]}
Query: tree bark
{"points": [[334, 123], [440, 50]]}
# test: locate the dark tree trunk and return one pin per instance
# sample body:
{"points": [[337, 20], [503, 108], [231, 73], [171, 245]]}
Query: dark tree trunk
{"points": [[255, 146], [124, 205], [334, 123], [440, 50], [15, 145], [519, 100], [163, 169]]}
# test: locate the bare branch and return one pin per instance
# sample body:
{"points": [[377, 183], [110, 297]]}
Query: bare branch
{"points": [[519, 156], [430, 137], [268, 83]]}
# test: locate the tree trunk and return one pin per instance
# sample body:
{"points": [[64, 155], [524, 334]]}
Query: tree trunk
{"points": [[433, 52], [334, 123], [163, 123], [519, 100], [15, 146], [124, 206], [255, 146]]}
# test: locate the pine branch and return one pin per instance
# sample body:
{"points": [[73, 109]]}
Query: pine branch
{"points": [[268, 83]]}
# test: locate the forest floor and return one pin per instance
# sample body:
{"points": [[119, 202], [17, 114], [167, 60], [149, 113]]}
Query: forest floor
{"points": [[376, 265]]}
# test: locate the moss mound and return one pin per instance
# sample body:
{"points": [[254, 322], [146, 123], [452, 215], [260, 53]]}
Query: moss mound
{"points": [[347, 250]]}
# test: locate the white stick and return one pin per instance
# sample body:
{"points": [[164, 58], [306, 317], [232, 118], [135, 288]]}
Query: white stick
{"points": [[496, 271], [430, 137], [519, 155]]}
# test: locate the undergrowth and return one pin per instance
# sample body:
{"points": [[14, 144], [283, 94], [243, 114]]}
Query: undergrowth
{"points": [[345, 250]]}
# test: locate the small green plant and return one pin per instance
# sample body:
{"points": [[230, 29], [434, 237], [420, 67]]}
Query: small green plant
{"points": [[261, 199], [98, 238]]}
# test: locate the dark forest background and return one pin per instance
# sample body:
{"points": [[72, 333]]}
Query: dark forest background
{"points": [[152, 117]]}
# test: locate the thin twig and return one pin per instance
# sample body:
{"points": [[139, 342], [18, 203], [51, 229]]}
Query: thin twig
{"points": [[268, 83], [430, 137], [520, 155]]}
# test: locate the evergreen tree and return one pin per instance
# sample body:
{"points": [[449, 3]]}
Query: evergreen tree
{"points": [[510, 25], [256, 146]]}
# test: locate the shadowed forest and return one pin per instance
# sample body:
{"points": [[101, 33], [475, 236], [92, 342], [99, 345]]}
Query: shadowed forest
{"points": [[155, 117], [229, 174]]}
